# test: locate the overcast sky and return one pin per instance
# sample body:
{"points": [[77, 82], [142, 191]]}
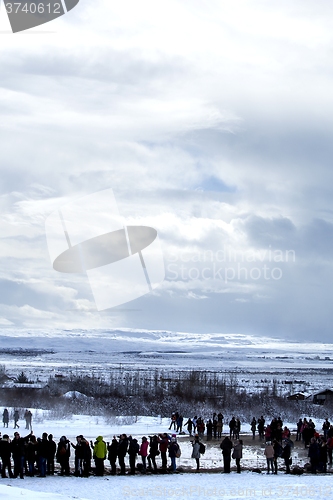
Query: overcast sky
{"points": [[212, 122]]}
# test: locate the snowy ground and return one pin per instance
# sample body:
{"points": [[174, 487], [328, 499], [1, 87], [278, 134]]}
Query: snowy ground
{"points": [[192, 486]]}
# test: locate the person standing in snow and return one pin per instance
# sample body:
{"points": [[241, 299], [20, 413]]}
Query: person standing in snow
{"points": [[5, 418], [112, 454], [31, 454], [144, 452], [18, 451], [173, 452], [189, 425], [261, 427], [253, 427], [194, 421], [214, 425], [122, 450], [153, 452], [299, 430], [269, 454], [180, 420], [5, 453], [99, 455], [16, 419], [286, 455], [173, 421], [232, 425], [51, 451], [43, 448], [196, 451], [326, 426], [237, 454], [63, 454], [133, 450], [209, 427], [322, 459], [329, 449], [164, 445], [226, 447], [79, 448]]}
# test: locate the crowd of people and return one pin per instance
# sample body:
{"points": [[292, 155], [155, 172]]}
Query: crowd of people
{"points": [[31, 456]]}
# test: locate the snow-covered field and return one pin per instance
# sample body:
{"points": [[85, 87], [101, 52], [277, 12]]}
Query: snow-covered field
{"points": [[191, 486], [254, 358]]}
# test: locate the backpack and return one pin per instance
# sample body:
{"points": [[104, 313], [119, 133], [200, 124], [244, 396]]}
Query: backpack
{"points": [[62, 451], [202, 449]]}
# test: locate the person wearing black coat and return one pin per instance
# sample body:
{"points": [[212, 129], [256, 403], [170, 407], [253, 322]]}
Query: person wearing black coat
{"points": [[18, 452], [298, 432], [31, 454], [313, 455], [253, 427], [133, 450], [51, 451], [323, 456], [209, 428], [43, 449], [261, 427], [5, 453], [63, 454], [79, 448], [278, 450], [153, 452], [232, 425], [226, 447], [122, 450], [112, 454], [5, 417], [286, 455]]}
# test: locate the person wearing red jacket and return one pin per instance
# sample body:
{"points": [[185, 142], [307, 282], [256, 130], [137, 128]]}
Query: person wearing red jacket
{"points": [[163, 440], [144, 452]]}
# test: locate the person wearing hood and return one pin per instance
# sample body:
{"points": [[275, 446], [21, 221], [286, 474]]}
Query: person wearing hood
{"points": [[99, 455], [269, 454], [144, 452], [237, 454], [173, 451], [63, 454]]}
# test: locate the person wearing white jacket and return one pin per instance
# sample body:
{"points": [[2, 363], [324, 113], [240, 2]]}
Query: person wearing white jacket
{"points": [[196, 451]]}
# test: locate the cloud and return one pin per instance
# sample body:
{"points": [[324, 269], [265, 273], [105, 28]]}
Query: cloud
{"points": [[212, 123]]}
